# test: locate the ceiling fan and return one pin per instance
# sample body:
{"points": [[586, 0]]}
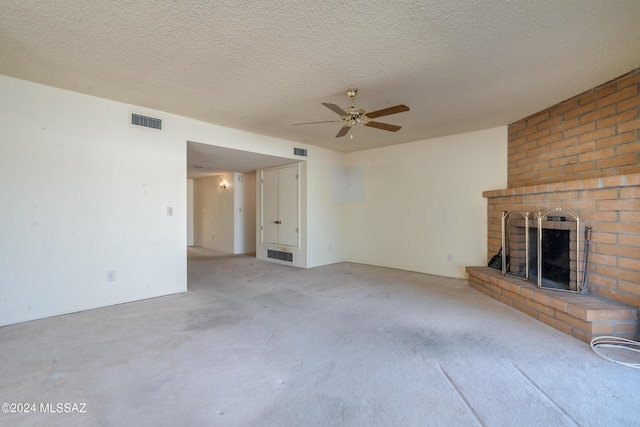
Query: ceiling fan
{"points": [[350, 117]]}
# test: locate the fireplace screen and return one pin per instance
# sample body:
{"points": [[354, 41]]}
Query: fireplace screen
{"points": [[542, 248], [515, 244]]}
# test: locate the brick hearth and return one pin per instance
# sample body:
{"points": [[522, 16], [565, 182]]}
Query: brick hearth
{"points": [[581, 316]]}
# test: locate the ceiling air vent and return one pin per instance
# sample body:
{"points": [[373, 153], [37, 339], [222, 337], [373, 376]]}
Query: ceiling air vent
{"points": [[300, 152], [147, 122]]}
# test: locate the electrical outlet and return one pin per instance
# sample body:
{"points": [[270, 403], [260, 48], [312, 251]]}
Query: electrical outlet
{"points": [[111, 275], [450, 257], [169, 211]]}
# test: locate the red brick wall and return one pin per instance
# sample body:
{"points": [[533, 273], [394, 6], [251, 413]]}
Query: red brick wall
{"points": [[592, 135], [583, 155]]}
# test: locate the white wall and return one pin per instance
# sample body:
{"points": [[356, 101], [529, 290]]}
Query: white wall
{"points": [[423, 202], [83, 193], [326, 220], [225, 219], [213, 213]]}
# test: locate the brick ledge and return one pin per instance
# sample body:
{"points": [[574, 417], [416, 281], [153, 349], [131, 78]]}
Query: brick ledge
{"points": [[581, 316], [555, 187]]}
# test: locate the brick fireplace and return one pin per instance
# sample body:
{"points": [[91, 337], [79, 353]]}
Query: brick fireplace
{"points": [[582, 156]]}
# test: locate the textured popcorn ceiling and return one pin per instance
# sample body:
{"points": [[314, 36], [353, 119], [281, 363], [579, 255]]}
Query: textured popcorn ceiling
{"points": [[261, 66]]}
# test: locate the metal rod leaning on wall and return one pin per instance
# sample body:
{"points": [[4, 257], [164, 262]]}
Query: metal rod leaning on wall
{"points": [[504, 248], [587, 238]]}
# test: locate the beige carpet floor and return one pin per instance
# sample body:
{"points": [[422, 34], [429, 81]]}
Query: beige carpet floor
{"points": [[259, 344]]}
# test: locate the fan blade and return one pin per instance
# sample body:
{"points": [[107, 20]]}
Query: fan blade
{"points": [[388, 111], [384, 126], [343, 131], [313, 123], [335, 108]]}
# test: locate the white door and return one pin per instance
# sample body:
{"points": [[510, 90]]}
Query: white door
{"points": [[280, 206], [270, 202], [288, 206]]}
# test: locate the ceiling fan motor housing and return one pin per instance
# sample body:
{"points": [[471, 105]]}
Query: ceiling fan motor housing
{"points": [[356, 115]]}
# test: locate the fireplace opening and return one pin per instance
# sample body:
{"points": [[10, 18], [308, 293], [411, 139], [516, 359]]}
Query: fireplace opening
{"points": [[542, 248], [556, 270]]}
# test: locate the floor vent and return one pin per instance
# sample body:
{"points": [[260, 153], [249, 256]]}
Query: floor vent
{"points": [[300, 152], [282, 256], [147, 122]]}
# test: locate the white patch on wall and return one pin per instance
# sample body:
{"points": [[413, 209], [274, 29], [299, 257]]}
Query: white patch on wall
{"points": [[347, 184]]}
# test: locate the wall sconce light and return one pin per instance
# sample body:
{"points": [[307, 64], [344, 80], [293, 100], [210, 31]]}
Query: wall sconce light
{"points": [[223, 185]]}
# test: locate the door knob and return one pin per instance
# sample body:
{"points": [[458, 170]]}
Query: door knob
{"points": [[277, 222]]}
